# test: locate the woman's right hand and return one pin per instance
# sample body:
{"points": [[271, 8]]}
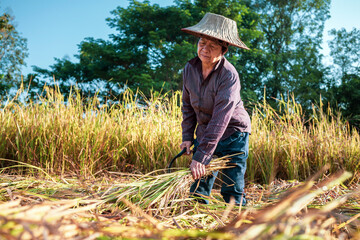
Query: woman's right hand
{"points": [[187, 145]]}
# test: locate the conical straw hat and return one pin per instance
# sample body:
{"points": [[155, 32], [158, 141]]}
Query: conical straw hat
{"points": [[218, 27]]}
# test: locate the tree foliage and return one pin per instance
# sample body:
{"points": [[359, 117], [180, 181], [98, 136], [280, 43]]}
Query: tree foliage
{"points": [[13, 51], [292, 42], [149, 50], [344, 79]]}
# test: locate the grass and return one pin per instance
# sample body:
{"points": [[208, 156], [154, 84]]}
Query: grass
{"points": [[87, 139], [97, 172], [140, 135], [286, 145]]}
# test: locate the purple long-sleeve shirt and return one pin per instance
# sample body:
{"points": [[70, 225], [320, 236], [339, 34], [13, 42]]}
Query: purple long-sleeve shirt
{"points": [[213, 106]]}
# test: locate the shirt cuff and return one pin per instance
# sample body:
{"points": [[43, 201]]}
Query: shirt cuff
{"points": [[187, 138], [202, 158]]}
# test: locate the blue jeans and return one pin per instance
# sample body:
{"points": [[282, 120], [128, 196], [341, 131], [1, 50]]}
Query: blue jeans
{"points": [[233, 178]]}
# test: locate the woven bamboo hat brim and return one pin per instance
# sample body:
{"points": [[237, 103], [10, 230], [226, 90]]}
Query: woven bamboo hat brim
{"points": [[218, 27]]}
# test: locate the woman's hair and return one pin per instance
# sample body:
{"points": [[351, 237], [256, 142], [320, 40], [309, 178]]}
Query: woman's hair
{"points": [[224, 46], [224, 49]]}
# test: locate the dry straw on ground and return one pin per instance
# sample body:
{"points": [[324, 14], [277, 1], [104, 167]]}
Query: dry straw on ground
{"points": [[294, 215]]}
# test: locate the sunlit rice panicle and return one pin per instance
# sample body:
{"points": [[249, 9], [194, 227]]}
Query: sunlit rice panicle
{"points": [[138, 133], [286, 143], [85, 137]]}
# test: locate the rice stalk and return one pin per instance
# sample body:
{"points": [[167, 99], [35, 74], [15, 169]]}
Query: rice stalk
{"points": [[23, 165], [288, 144], [137, 134], [160, 191]]}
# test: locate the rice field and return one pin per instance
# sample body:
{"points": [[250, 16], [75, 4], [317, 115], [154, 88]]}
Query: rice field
{"points": [[88, 170]]}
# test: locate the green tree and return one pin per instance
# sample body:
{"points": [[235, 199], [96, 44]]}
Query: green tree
{"points": [[292, 37], [13, 51], [344, 79], [148, 50]]}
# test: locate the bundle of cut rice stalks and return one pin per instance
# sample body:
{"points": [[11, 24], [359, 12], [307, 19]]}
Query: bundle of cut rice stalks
{"points": [[159, 191]]}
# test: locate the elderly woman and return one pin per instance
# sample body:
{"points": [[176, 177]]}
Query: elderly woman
{"points": [[212, 105]]}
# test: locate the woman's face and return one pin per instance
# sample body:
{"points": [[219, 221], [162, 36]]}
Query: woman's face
{"points": [[209, 51]]}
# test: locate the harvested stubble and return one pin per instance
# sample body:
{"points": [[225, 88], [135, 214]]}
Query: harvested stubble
{"points": [[289, 218], [48, 220]]}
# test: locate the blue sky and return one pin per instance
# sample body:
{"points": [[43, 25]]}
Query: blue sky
{"points": [[54, 28]]}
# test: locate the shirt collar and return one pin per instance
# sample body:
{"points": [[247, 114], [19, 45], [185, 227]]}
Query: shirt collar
{"points": [[196, 62]]}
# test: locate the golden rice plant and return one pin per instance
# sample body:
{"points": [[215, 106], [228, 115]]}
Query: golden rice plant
{"points": [[285, 144], [89, 138], [139, 134]]}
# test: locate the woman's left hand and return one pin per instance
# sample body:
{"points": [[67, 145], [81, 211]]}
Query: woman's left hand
{"points": [[197, 169]]}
